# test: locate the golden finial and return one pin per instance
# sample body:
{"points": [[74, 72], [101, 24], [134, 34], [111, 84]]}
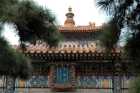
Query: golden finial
{"points": [[70, 9], [69, 22]]}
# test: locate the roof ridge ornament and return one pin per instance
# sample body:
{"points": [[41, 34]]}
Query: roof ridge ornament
{"points": [[69, 22]]}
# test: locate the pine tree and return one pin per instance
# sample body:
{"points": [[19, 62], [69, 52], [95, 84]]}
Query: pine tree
{"points": [[32, 23]]}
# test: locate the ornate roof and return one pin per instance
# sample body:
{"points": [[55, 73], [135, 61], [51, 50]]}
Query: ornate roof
{"points": [[71, 55], [69, 25], [44, 48], [90, 28]]}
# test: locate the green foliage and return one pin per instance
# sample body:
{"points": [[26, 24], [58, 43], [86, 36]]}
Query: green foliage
{"points": [[106, 4], [133, 45], [110, 35], [36, 24], [135, 86], [127, 14], [12, 62], [32, 22], [0, 29], [132, 49], [7, 9], [24, 68], [121, 10]]}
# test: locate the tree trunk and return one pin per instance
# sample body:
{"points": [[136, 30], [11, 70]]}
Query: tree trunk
{"points": [[10, 85]]}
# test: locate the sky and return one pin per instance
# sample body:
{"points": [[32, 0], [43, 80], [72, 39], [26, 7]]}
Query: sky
{"points": [[85, 11]]}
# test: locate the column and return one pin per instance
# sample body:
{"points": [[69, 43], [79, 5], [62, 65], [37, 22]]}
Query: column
{"points": [[10, 85], [73, 78], [52, 76], [117, 78]]}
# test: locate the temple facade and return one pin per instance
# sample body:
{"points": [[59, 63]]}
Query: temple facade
{"points": [[76, 65]]}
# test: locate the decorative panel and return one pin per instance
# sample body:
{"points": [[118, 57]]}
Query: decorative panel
{"points": [[34, 81], [62, 75], [94, 91], [38, 81], [95, 81]]}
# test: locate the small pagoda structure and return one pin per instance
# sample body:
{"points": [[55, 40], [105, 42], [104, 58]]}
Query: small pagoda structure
{"points": [[76, 64]]}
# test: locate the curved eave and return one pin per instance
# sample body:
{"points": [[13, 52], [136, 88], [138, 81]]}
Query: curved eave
{"points": [[79, 29], [72, 56]]}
